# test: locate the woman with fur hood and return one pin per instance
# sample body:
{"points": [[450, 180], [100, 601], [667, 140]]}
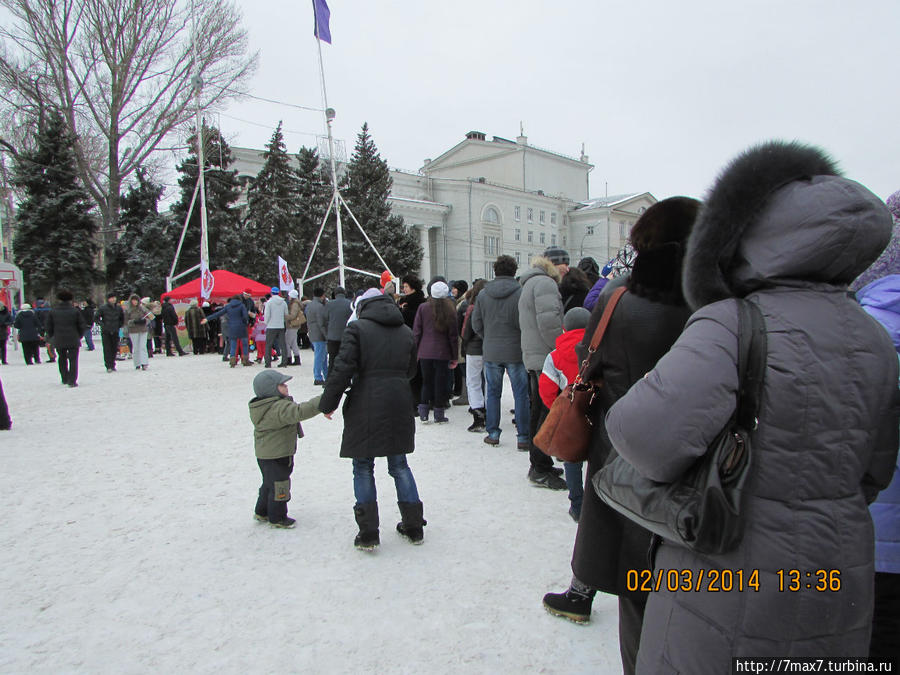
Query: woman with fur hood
{"points": [[782, 229], [644, 325]]}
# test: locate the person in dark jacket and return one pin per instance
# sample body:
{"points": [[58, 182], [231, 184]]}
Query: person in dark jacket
{"points": [[881, 299], [111, 318], [376, 360], [42, 311], [318, 331], [337, 312], [170, 327], [437, 340], [573, 289], [783, 230], [410, 299], [472, 348], [87, 313], [65, 327], [6, 320], [591, 270], [644, 325], [29, 328], [236, 319]]}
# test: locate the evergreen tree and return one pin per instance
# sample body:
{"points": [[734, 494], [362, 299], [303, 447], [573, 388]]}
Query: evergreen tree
{"points": [[140, 260], [56, 236], [313, 196], [272, 213], [222, 217], [366, 187]]}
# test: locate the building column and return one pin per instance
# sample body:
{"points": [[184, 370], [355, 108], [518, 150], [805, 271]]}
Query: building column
{"points": [[425, 270]]}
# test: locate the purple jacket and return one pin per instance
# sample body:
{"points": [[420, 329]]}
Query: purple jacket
{"points": [[594, 293], [432, 344]]}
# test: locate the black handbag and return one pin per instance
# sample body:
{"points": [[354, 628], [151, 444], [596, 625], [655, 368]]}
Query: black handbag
{"points": [[702, 510]]}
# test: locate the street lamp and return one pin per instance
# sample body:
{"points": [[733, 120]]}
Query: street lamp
{"points": [[589, 230]]}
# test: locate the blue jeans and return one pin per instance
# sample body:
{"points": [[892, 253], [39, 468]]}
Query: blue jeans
{"points": [[320, 360], [89, 339], [233, 347], [575, 483], [364, 479], [518, 378]]}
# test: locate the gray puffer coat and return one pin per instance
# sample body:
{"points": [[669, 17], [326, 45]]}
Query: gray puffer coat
{"points": [[496, 319], [540, 312], [782, 230]]}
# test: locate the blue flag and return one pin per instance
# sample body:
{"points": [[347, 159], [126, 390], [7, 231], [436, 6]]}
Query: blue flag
{"points": [[323, 15]]}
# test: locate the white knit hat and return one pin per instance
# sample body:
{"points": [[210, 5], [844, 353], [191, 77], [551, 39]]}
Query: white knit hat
{"points": [[439, 290]]}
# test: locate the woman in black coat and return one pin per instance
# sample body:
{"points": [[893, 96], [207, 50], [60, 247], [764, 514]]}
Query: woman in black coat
{"points": [[5, 322], [376, 360], [29, 329], [65, 327], [644, 325]]}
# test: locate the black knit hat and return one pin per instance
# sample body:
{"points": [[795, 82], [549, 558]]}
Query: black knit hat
{"points": [[557, 255]]}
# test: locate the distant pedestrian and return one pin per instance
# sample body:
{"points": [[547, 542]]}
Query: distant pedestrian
{"points": [[196, 329], [170, 327], [276, 321], [437, 343], [65, 328], [87, 312], [29, 330], [111, 318], [317, 324], [6, 320], [337, 313], [137, 315], [296, 320]]}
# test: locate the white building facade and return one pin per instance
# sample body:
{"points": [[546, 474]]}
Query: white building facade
{"points": [[483, 198]]}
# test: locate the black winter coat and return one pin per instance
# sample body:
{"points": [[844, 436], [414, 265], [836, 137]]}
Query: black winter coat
{"points": [[28, 325], [65, 326], [169, 316], [5, 322], [409, 305], [337, 312], [640, 332], [111, 318], [376, 361]]}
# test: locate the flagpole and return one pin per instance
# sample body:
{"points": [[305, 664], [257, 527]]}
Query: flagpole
{"points": [[329, 116]]}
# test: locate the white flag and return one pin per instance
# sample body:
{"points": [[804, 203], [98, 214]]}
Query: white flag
{"points": [[207, 281], [285, 281]]}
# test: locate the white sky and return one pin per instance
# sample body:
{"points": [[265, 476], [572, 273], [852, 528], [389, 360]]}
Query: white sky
{"points": [[661, 93]]}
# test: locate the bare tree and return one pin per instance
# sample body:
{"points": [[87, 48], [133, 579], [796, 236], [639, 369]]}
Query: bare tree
{"points": [[121, 72]]}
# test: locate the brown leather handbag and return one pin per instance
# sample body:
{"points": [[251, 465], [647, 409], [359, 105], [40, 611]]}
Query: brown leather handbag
{"points": [[566, 431]]}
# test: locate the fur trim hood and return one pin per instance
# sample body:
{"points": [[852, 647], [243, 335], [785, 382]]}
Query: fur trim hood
{"points": [[781, 211], [541, 265]]}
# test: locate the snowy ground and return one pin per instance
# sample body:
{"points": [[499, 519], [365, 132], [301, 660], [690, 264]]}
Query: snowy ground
{"points": [[128, 544]]}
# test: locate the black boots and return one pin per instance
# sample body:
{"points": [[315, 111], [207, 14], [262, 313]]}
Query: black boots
{"points": [[412, 522], [367, 520], [574, 605], [479, 418]]}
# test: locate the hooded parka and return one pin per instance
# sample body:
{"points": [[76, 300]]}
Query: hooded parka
{"points": [[376, 360], [783, 230], [540, 312]]}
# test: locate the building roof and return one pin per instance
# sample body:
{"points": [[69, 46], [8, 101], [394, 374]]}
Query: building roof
{"points": [[610, 202]]}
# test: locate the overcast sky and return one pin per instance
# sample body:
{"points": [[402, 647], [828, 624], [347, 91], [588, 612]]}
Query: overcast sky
{"points": [[662, 94]]}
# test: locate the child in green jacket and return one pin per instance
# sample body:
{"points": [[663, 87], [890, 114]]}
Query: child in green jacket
{"points": [[276, 428]]}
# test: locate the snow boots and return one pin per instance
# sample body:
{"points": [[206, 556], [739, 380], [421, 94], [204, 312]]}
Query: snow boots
{"points": [[439, 416], [367, 520], [572, 605], [412, 522], [423, 409], [479, 419], [246, 362], [232, 361]]}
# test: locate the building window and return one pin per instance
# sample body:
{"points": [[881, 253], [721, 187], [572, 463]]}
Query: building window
{"points": [[530, 237], [553, 218], [543, 217], [518, 213], [491, 215], [542, 237], [530, 215], [492, 246], [622, 229], [518, 234], [488, 269], [518, 258], [564, 241], [553, 240]]}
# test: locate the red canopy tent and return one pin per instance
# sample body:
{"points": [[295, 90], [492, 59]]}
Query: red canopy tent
{"points": [[227, 284]]}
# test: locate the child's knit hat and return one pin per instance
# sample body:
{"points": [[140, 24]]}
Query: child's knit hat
{"points": [[575, 318]]}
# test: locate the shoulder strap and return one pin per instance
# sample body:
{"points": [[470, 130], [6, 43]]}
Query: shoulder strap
{"points": [[599, 331], [604, 320], [752, 358]]}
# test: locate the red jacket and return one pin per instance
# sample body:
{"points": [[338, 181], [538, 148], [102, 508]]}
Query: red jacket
{"points": [[560, 366]]}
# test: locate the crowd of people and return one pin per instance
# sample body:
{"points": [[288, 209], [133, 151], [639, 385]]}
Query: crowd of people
{"points": [[780, 228]]}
